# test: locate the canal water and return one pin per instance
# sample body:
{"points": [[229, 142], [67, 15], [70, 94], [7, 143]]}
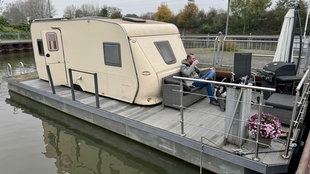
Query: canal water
{"points": [[37, 139]]}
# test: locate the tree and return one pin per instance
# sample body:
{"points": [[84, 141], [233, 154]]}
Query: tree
{"points": [[89, 10], [249, 11], [187, 18], [1, 3], [114, 12], [104, 12], [21, 10], [164, 13], [70, 12], [13, 13], [132, 15], [213, 22], [116, 15]]}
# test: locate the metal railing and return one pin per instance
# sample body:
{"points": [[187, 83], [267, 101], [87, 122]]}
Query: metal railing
{"points": [[70, 70], [14, 36], [299, 110], [301, 104], [218, 50], [95, 84], [10, 70]]}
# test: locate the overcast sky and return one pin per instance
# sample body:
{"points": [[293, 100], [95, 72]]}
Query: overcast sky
{"points": [[136, 6]]}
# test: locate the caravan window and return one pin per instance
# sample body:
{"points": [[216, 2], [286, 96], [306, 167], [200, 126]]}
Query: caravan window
{"points": [[52, 42], [112, 54], [40, 47], [165, 51]]}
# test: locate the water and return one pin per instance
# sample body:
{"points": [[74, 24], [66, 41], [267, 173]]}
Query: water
{"points": [[37, 139]]}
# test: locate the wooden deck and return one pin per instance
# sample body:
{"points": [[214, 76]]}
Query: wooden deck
{"points": [[200, 120]]}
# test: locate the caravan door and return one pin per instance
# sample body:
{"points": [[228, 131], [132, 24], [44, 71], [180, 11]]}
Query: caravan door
{"points": [[54, 56]]}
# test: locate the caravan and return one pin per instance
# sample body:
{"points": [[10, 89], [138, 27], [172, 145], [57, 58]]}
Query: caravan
{"points": [[130, 56]]}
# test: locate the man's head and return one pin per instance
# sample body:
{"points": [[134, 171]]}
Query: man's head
{"points": [[190, 58]]}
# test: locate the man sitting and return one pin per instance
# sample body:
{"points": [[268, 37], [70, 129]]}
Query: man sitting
{"points": [[190, 70]]}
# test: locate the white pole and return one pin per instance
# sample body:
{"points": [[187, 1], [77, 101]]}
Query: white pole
{"points": [[307, 17], [227, 18]]}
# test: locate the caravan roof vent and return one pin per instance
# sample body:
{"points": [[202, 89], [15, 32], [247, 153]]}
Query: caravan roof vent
{"points": [[132, 19]]}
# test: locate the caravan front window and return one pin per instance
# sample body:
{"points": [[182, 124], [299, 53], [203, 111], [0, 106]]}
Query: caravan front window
{"points": [[112, 54], [52, 42], [165, 51]]}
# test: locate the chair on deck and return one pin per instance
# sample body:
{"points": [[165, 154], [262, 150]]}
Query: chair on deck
{"points": [[242, 69]]}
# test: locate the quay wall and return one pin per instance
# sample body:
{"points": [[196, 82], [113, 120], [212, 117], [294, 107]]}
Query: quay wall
{"points": [[15, 45]]}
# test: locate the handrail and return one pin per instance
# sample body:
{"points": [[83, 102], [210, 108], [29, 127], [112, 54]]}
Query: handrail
{"points": [[304, 95], [21, 68], [256, 158], [227, 84], [9, 69], [95, 83]]}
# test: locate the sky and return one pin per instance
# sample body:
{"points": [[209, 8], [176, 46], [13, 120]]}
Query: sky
{"points": [[136, 6]]}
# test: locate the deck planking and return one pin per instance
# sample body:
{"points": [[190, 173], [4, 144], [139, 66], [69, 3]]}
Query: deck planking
{"points": [[201, 120]]}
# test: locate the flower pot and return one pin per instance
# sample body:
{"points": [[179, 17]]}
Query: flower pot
{"points": [[264, 142]]}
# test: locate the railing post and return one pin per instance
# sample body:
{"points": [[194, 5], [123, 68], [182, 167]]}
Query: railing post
{"points": [[21, 68], [71, 84], [256, 158], [201, 150], [181, 108], [50, 78], [96, 90], [289, 140], [9, 70]]}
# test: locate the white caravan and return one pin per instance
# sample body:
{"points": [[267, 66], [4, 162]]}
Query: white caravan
{"points": [[130, 56]]}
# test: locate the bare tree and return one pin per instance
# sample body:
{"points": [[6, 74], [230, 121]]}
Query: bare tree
{"points": [[1, 3], [39, 9], [89, 10], [70, 12], [13, 12], [20, 10]]}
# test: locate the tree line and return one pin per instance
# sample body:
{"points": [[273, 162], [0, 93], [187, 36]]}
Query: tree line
{"points": [[256, 17]]}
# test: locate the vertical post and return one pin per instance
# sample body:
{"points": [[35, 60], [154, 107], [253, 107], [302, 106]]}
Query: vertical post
{"points": [[50, 78], [71, 84], [181, 108], [288, 140], [256, 158], [227, 18], [201, 150], [49, 9], [96, 90]]}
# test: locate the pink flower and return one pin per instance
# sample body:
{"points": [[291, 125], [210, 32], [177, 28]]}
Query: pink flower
{"points": [[270, 125]]}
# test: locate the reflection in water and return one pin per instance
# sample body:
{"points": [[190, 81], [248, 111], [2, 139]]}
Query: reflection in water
{"points": [[79, 147]]}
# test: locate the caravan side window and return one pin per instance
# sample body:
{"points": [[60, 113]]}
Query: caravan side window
{"points": [[165, 51], [52, 42], [40, 47], [112, 54]]}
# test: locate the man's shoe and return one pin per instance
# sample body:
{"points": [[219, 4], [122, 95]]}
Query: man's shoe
{"points": [[216, 103]]}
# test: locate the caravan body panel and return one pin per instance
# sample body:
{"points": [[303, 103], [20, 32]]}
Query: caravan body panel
{"points": [[123, 54]]}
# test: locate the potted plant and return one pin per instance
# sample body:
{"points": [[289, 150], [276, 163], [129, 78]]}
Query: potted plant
{"points": [[270, 127]]}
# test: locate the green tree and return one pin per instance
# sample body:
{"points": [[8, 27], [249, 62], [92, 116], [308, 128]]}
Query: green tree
{"points": [[214, 22], [104, 12], [132, 15], [249, 12], [116, 15], [164, 13], [187, 18]]}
